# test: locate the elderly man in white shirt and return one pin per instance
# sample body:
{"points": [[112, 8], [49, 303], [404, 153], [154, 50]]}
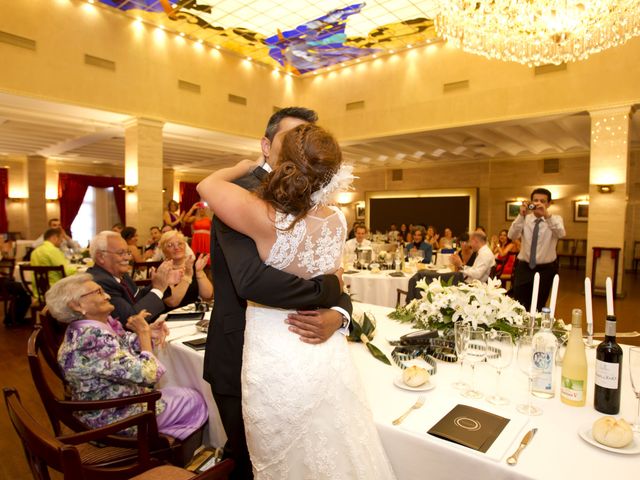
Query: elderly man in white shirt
{"points": [[359, 242], [540, 232], [484, 262]]}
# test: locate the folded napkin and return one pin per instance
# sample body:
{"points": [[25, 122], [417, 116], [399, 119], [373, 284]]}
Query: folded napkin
{"points": [[396, 274]]}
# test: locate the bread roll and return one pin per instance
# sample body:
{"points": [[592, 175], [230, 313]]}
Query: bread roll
{"points": [[415, 376], [612, 433]]}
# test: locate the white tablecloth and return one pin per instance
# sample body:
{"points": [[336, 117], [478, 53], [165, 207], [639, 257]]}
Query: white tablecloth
{"points": [[443, 259], [555, 452], [376, 288]]}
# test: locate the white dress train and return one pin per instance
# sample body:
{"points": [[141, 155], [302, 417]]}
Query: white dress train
{"points": [[305, 413]]}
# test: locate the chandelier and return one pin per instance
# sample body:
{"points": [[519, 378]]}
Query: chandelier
{"points": [[537, 32]]}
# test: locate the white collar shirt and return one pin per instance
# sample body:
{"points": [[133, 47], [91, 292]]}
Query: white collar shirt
{"points": [[549, 232]]}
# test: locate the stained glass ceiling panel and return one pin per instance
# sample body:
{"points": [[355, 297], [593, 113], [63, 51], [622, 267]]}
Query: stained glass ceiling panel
{"points": [[299, 36]]}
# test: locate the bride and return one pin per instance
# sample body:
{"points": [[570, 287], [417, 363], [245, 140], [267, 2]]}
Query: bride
{"points": [[305, 413]]}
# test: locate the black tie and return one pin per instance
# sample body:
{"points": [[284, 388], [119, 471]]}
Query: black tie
{"points": [[131, 295], [534, 244]]}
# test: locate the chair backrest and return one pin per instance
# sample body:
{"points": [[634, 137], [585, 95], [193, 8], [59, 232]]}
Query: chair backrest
{"points": [[7, 265], [566, 246], [40, 447], [581, 247], [40, 279], [52, 336], [141, 272]]}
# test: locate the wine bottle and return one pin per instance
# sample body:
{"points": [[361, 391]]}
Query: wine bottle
{"points": [[573, 389], [544, 344], [606, 398]]}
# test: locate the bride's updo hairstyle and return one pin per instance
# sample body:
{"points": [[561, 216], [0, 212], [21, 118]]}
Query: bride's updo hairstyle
{"points": [[310, 156]]}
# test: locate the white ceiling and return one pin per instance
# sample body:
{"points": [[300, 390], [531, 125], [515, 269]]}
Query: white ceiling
{"points": [[76, 134]]}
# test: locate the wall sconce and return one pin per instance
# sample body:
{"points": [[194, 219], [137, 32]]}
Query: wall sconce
{"points": [[605, 188], [128, 188]]}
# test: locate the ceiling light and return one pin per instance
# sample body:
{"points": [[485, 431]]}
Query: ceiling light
{"points": [[200, 41], [182, 34], [538, 32], [217, 47], [392, 51]]}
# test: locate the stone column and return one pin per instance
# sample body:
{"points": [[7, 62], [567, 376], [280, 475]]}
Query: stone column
{"points": [[36, 186], [143, 169], [609, 165]]}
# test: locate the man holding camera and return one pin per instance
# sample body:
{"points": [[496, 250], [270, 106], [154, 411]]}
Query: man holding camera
{"points": [[539, 232]]}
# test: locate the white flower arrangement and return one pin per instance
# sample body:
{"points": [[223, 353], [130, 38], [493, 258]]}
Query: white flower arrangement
{"points": [[382, 256], [480, 304]]}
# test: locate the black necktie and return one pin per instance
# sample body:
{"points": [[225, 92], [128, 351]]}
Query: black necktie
{"points": [[534, 244], [131, 295]]}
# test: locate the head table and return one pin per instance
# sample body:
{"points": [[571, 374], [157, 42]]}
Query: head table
{"points": [[556, 451]]}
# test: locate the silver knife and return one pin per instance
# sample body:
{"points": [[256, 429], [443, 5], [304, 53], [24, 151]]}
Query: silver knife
{"points": [[513, 459]]}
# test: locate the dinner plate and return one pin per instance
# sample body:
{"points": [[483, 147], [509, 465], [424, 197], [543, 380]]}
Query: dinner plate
{"points": [[422, 388], [632, 449]]}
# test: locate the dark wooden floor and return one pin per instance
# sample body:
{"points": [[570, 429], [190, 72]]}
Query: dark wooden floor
{"points": [[14, 370]]}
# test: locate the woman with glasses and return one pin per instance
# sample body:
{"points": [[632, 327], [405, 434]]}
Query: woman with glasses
{"points": [[101, 360], [195, 282]]}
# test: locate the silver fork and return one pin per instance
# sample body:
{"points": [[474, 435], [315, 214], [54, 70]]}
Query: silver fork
{"points": [[419, 403]]}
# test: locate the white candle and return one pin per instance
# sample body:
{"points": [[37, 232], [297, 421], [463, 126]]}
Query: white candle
{"points": [[534, 294], [554, 295], [609, 287], [587, 301]]}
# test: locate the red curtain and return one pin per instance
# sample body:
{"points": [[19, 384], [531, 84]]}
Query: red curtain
{"points": [[4, 194], [188, 196], [72, 189]]}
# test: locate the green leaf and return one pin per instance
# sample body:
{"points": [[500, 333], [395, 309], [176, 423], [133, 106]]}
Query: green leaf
{"points": [[356, 331], [377, 353], [367, 325]]}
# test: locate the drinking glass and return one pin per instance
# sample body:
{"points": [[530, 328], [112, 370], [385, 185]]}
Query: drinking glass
{"points": [[499, 356], [525, 363], [388, 260], [475, 351], [634, 372], [461, 333]]}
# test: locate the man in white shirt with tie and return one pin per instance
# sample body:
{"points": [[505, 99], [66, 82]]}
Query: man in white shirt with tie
{"points": [[540, 232], [484, 262], [359, 242]]}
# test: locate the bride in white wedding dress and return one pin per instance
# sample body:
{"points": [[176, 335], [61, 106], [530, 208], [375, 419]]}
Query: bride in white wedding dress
{"points": [[305, 413]]}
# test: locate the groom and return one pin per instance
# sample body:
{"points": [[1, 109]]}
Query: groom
{"points": [[239, 275]]}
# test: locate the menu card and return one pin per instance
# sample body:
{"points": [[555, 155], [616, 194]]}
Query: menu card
{"points": [[471, 427]]}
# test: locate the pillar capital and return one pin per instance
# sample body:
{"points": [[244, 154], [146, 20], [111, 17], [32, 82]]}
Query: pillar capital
{"points": [[142, 121]]}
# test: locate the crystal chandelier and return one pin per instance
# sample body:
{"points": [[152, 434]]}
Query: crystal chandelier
{"points": [[537, 32]]}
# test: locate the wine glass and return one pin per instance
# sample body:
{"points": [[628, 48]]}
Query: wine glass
{"points": [[525, 363], [475, 351], [461, 333], [388, 261], [499, 356], [634, 372]]}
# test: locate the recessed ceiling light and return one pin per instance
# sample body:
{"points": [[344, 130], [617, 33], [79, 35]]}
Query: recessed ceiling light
{"points": [[217, 47], [200, 41], [182, 34], [392, 51]]}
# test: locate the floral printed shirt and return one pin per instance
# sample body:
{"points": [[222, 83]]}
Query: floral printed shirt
{"points": [[103, 361]]}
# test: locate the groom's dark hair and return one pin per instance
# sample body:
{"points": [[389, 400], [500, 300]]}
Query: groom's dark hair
{"points": [[302, 113]]}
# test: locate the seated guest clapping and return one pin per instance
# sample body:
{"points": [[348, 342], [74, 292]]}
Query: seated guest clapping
{"points": [[418, 244], [101, 361], [130, 235], [483, 263], [194, 283], [111, 257], [466, 253]]}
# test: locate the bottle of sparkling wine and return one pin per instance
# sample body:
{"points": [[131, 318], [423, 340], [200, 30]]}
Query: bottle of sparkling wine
{"points": [[573, 389], [606, 398], [544, 344]]}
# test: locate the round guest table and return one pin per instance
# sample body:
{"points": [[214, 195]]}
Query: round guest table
{"points": [[376, 288]]}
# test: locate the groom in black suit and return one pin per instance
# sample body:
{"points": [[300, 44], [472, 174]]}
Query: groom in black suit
{"points": [[239, 275]]}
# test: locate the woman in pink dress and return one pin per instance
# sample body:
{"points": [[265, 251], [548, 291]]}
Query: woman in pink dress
{"points": [[201, 226]]}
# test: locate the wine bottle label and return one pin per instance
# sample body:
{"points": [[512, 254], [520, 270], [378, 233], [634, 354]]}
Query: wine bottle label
{"points": [[607, 374], [572, 389], [610, 328]]}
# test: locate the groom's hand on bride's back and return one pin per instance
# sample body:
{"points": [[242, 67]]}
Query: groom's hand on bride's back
{"points": [[314, 326]]}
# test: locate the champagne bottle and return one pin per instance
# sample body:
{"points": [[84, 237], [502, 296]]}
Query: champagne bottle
{"points": [[606, 398], [573, 389], [545, 345]]}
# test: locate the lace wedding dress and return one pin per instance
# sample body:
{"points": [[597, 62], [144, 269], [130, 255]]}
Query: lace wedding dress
{"points": [[305, 413]]}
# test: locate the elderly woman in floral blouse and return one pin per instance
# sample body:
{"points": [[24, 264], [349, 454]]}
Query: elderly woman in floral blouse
{"points": [[101, 360]]}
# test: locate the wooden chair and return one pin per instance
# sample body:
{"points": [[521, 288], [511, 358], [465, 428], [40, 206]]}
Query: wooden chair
{"points": [[400, 292], [566, 249], [6, 275], [38, 276], [141, 272], [44, 451], [61, 412], [580, 251]]}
